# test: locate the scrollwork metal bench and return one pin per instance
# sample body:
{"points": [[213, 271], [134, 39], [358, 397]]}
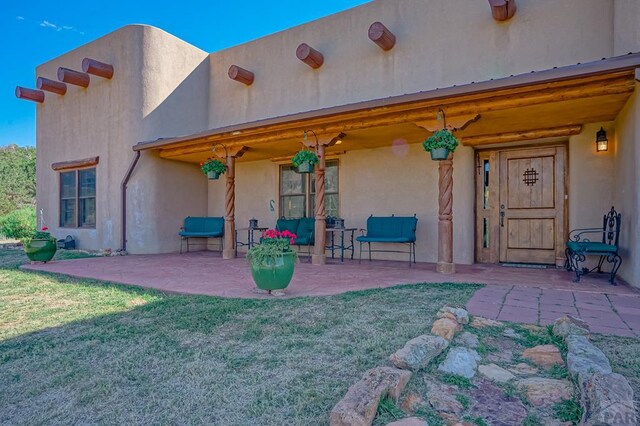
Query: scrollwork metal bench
{"points": [[605, 245]]}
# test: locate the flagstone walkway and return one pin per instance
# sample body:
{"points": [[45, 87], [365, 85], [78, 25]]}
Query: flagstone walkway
{"points": [[605, 313]]}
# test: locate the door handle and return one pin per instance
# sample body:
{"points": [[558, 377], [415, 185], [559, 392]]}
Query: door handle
{"points": [[502, 218]]}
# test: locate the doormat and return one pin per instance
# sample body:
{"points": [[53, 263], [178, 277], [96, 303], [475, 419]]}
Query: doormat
{"points": [[525, 265]]}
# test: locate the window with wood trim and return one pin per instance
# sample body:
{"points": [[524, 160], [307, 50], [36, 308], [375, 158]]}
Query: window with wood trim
{"points": [[78, 198], [297, 192]]}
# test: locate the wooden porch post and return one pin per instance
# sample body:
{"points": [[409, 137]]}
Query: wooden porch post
{"points": [[445, 263], [229, 245], [229, 251], [319, 257], [320, 144], [445, 217]]}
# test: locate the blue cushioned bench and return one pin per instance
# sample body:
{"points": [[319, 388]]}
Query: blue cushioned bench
{"points": [[201, 227], [390, 229], [304, 228], [580, 246]]}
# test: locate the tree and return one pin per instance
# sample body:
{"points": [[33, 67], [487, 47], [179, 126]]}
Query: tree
{"points": [[17, 178]]}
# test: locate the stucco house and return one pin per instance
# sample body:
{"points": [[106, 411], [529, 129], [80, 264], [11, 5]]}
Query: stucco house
{"points": [[118, 160]]}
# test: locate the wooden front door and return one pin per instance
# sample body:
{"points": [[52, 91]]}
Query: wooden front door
{"points": [[524, 220]]}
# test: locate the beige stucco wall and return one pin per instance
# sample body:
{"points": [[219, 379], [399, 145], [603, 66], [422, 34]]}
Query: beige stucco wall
{"points": [[156, 89], [626, 27], [384, 181], [164, 87], [439, 44], [627, 184]]}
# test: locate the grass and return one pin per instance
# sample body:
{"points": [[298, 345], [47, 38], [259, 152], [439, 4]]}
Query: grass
{"points": [[463, 400], [388, 411], [568, 411], [459, 381], [82, 351], [624, 355]]}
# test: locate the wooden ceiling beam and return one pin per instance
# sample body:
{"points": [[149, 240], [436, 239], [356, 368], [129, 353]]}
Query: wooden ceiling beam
{"points": [[423, 111], [497, 138], [73, 77], [101, 69], [241, 75], [502, 10], [29, 94], [382, 36], [52, 86], [309, 56], [459, 122]]}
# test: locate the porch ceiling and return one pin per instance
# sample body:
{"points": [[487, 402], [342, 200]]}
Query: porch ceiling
{"points": [[508, 113]]}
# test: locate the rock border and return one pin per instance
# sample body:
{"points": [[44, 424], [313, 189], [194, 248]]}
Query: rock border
{"points": [[606, 397]]}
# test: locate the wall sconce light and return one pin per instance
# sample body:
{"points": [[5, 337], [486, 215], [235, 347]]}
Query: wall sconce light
{"points": [[602, 143]]}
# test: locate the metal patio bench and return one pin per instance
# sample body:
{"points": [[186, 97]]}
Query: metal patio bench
{"points": [[603, 243], [201, 227], [390, 230]]}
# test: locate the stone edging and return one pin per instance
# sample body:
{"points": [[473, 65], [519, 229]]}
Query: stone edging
{"points": [[606, 397]]}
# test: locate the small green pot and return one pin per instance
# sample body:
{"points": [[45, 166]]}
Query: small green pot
{"points": [[276, 275], [213, 175], [305, 167], [439, 154], [40, 250]]}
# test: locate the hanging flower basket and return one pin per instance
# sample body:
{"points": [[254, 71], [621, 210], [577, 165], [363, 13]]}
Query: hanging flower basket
{"points": [[213, 168], [440, 144], [305, 161]]}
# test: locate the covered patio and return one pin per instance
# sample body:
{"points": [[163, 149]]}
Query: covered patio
{"points": [[512, 294], [544, 109]]}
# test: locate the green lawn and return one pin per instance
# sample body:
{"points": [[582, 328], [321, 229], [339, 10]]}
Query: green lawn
{"points": [[79, 351]]}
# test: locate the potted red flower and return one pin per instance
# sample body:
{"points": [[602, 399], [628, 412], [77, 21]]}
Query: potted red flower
{"points": [[40, 246], [272, 261]]}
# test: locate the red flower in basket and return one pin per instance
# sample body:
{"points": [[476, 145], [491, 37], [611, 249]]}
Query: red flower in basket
{"points": [[275, 234], [290, 235]]}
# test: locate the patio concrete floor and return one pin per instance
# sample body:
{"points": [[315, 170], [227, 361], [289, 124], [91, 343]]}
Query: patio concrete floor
{"points": [[523, 295]]}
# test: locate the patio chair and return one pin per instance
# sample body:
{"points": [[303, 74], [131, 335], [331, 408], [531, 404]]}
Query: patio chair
{"points": [[201, 227], [304, 228], [605, 246]]}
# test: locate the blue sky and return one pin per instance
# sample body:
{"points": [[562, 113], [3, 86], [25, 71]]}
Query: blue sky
{"points": [[36, 31]]}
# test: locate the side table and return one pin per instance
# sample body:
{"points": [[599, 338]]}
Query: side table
{"points": [[251, 241]]}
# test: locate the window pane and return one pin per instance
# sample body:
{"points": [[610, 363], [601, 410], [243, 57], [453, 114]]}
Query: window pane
{"points": [[68, 213], [68, 184], [87, 207], [291, 182], [485, 185], [87, 183], [292, 206], [331, 177], [331, 205]]}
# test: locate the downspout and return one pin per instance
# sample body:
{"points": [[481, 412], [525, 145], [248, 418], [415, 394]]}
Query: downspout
{"points": [[125, 181]]}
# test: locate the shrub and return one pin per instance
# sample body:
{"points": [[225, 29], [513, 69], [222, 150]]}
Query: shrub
{"points": [[19, 223], [213, 165]]}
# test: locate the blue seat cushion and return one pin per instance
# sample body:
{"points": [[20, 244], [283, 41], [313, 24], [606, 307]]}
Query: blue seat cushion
{"points": [[591, 247], [302, 241], [306, 231], [290, 225], [201, 234], [392, 229], [203, 227], [368, 239]]}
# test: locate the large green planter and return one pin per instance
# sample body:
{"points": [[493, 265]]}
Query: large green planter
{"points": [[305, 167], [439, 154], [40, 250], [276, 275]]}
